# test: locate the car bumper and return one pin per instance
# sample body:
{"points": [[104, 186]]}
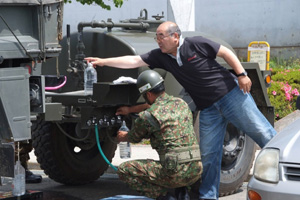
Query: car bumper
{"points": [[268, 191]]}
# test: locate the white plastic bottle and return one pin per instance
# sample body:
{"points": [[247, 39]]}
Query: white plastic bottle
{"points": [[19, 180], [125, 149], [90, 77]]}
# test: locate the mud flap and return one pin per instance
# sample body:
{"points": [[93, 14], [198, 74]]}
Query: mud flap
{"points": [[7, 160], [5, 131]]}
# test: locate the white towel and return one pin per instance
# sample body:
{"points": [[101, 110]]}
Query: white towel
{"points": [[124, 79]]}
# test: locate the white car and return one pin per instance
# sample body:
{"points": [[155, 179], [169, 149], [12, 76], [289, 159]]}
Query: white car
{"points": [[276, 173]]}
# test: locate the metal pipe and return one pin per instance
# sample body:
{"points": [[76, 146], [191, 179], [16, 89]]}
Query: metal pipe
{"points": [[141, 14], [69, 45], [110, 24]]}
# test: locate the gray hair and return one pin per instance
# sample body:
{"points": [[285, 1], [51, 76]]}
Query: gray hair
{"points": [[173, 28]]}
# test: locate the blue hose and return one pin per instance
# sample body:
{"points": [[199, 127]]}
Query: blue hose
{"points": [[100, 149]]}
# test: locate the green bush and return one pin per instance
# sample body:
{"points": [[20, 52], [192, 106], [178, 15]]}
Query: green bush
{"points": [[285, 86]]}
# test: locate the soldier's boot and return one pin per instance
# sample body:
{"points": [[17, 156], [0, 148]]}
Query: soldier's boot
{"points": [[182, 193], [31, 177], [168, 196]]}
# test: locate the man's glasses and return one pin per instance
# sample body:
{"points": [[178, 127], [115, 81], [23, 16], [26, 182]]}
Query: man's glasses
{"points": [[161, 36]]}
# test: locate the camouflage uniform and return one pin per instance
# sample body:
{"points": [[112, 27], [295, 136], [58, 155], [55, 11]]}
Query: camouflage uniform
{"points": [[173, 129]]}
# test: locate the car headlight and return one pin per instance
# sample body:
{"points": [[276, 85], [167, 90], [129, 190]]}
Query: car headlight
{"points": [[266, 166]]}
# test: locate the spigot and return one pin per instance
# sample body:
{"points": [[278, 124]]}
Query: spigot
{"points": [[119, 119], [89, 122], [72, 70], [113, 121], [101, 122]]}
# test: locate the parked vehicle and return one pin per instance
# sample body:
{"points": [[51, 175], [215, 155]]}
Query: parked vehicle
{"points": [[277, 167]]}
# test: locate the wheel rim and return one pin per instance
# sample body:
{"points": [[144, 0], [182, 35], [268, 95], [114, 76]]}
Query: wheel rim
{"points": [[232, 146]]}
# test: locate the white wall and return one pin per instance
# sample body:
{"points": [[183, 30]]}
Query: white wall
{"points": [[183, 13], [241, 21]]}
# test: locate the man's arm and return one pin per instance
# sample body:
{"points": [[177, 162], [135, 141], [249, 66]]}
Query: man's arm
{"points": [[123, 62], [231, 59], [125, 110]]}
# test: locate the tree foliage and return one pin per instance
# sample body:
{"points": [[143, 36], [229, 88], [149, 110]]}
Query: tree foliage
{"points": [[118, 3]]}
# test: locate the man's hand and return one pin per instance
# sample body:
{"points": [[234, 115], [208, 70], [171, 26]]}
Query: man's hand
{"points": [[245, 84], [124, 110], [95, 61], [122, 136]]}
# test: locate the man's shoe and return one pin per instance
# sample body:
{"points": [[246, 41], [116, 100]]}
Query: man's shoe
{"points": [[168, 196], [182, 193], [32, 178]]}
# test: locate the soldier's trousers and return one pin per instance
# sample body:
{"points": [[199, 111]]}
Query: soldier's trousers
{"points": [[149, 178], [25, 149]]}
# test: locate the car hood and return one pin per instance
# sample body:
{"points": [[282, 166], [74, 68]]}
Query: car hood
{"points": [[288, 142]]}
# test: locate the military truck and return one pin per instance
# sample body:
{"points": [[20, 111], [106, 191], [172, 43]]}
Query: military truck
{"points": [[63, 118], [29, 34]]}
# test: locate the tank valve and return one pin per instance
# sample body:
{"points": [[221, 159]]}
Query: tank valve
{"points": [[100, 122], [113, 121], [158, 17], [119, 119], [89, 122]]}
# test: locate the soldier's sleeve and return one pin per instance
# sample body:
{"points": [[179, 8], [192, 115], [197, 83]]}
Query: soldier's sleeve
{"points": [[141, 129]]}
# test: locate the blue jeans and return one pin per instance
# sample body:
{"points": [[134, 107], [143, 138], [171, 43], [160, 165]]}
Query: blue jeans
{"points": [[240, 110]]}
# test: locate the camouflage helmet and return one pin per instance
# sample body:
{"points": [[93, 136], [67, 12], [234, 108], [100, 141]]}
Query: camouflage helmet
{"points": [[148, 80]]}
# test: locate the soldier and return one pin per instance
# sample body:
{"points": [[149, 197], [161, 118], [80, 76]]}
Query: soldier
{"points": [[25, 148], [168, 125]]}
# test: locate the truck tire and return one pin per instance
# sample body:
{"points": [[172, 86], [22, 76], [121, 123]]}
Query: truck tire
{"points": [[57, 156], [238, 155]]}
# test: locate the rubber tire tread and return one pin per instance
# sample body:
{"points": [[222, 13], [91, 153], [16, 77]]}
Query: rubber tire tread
{"points": [[53, 164]]}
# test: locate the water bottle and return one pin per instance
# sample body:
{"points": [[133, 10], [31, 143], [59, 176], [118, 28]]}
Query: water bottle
{"points": [[125, 150], [19, 180], [90, 77]]}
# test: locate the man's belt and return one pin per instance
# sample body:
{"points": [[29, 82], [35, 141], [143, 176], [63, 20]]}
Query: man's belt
{"points": [[183, 155]]}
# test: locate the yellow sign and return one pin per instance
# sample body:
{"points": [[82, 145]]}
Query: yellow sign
{"points": [[259, 51]]}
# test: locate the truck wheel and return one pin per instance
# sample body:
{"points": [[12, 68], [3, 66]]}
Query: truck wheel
{"points": [[238, 155], [62, 159]]}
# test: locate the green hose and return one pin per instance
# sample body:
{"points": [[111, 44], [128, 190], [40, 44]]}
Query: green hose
{"points": [[100, 149]]}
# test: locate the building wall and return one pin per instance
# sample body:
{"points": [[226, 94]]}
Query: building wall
{"points": [[240, 22], [182, 13]]}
